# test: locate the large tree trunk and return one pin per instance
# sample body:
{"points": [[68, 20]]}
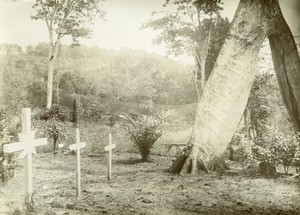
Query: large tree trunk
{"points": [[287, 68], [226, 92]]}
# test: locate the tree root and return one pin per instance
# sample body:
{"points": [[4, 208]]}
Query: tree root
{"points": [[184, 163], [177, 165]]}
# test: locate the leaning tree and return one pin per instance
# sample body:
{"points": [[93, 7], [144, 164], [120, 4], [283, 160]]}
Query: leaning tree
{"points": [[64, 18], [226, 92]]}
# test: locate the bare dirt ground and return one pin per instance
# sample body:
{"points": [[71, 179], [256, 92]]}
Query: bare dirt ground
{"points": [[145, 188]]}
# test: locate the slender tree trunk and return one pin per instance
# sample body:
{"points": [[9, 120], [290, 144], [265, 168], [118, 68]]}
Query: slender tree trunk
{"points": [[202, 71], [57, 92], [226, 92], [197, 85], [247, 122], [50, 84], [75, 114], [196, 81], [50, 69], [53, 52]]}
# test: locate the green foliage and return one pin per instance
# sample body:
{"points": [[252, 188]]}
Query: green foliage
{"points": [[92, 112], [23, 79], [56, 113], [271, 146], [52, 123], [207, 6], [68, 17], [41, 49], [188, 28], [278, 148], [144, 129], [103, 86], [263, 89], [36, 93], [10, 49], [243, 149], [10, 126], [297, 161]]}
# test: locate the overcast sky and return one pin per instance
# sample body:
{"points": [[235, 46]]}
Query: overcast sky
{"points": [[121, 28]]}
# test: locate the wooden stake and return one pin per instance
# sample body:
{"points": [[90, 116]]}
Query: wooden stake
{"points": [[77, 146], [27, 146], [109, 149]]}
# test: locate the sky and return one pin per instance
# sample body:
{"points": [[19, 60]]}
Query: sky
{"points": [[121, 28]]}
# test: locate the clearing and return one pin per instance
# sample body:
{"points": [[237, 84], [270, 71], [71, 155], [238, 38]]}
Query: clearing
{"points": [[145, 188]]}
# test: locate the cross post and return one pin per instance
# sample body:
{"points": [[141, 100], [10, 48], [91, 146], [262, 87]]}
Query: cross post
{"points": [[77, 146], [27, 146], [109, 149]]}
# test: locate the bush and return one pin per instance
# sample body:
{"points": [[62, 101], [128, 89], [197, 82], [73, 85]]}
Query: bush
{"points": [[10, 126], [143, 129], [242, 148], [275, 147], [278, 148], [56, 112], [93, 112], [297, 160]]}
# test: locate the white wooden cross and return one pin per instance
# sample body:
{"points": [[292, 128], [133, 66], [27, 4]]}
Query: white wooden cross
{"points": [[27, 146], [77, 146], [109, 149]]}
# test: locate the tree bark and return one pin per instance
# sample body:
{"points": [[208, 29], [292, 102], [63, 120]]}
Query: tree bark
{"points": [[53, 52], [287, 67], [226, 92], [57, 92], [75, 114]]}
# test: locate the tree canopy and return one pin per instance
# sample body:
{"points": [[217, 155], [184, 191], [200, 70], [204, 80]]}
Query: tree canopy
{"points": [[194, 28], [68, 17]]}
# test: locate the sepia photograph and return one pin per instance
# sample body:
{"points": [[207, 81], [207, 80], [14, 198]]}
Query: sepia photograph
{"points": [[150, 107]]}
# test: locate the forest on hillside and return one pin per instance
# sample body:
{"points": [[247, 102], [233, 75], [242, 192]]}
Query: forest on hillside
{"points": [[91, 74]]}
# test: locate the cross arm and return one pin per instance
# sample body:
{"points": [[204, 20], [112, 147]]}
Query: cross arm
{"points": [[109, 147], [77, 146], [13, 147]]}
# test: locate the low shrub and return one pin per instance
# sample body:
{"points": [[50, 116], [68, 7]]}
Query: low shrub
{"points": [[297, 161], [93, 112], [57, 112], [242, 149], [278, 148], [10, 126], [144, 129]]}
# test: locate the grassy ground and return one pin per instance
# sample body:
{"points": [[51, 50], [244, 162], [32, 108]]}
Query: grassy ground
{"points": [[145, 188]]}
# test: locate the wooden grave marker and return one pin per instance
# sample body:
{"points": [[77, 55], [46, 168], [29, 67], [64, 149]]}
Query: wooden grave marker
{"points": [[77, 146], [109, 149], [27, 146]]}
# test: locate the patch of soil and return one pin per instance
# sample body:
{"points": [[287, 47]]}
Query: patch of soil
{"points": [[145, 188]]}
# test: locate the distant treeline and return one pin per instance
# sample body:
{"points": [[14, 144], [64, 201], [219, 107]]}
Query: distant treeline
{"points": [[90, 74]]}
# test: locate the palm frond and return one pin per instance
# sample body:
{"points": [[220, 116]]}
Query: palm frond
{"points": [[129, 119]]}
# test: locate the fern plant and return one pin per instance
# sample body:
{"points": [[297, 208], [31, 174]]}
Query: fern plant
{"points": [[144, 129]]}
